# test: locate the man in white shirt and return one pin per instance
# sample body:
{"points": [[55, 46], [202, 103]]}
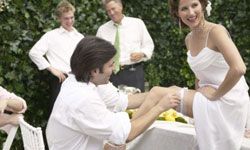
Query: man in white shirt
{"points": [[135, 44], [81, 119], [57, 45]]}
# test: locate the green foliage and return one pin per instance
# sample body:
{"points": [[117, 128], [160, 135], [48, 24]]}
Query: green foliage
{"points": [[23, 22], [169, 53]]}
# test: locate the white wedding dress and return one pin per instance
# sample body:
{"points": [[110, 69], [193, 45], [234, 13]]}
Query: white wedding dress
{"points": [[219, 124]]}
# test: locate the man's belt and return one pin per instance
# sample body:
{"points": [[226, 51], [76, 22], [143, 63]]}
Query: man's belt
{"points": [[131, 67]]}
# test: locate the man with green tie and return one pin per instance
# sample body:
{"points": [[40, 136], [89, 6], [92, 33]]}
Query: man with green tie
{"points": [[132, 42]]}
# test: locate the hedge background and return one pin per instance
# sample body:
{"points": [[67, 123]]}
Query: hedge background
{"points": [[23, 22]]}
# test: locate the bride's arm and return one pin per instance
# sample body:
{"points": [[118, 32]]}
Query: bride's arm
{"points": [[221, 40]]}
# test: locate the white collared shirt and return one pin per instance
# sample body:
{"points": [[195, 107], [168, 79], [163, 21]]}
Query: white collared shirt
{"points": [[80, 119], [134, 37], [58, 45]]}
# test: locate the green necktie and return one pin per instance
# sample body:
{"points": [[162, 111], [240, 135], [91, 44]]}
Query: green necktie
{"points": [[117, 47]]}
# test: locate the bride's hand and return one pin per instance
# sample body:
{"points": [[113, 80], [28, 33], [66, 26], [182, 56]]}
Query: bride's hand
{"points": [[208, 91]]}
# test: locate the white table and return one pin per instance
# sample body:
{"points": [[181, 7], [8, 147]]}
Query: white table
{"points": [[164, 135]]}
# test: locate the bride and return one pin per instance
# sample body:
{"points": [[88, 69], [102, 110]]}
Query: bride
{"points": [[219, 102]]}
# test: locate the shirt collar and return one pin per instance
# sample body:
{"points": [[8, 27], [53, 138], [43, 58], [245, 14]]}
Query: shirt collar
{"points": [[90, 84], [122, 21], [62, 30]]}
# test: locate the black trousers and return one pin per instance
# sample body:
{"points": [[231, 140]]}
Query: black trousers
{"points": [[132, 75], [55, 87]]}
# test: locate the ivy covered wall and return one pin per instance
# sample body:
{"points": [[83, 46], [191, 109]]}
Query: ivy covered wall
{"points": [[23, 22]]}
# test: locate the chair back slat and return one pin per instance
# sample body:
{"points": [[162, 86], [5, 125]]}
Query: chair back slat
{"points": [[11, 135], [32, 136]]}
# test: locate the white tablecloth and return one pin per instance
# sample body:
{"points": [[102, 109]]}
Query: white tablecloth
{"points": [[164, 135]]}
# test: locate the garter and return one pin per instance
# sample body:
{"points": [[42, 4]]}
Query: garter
{"points": [[181, 93]]}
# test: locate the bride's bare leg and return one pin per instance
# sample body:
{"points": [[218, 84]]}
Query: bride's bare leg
{"points": [[157, 93], [154, 96], [188, 97]]}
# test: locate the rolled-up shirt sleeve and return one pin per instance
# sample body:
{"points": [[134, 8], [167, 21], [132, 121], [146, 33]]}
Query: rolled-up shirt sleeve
{"points": [[121, 130], [115, 101], [4, 94], [38, 51], [122, 104], [147, 44]]}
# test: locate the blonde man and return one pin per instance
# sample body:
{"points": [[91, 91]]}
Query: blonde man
{"points": [[57, 45]]}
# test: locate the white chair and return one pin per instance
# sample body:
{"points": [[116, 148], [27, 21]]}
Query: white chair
{"points": [[11, 135], [32, 137]]}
